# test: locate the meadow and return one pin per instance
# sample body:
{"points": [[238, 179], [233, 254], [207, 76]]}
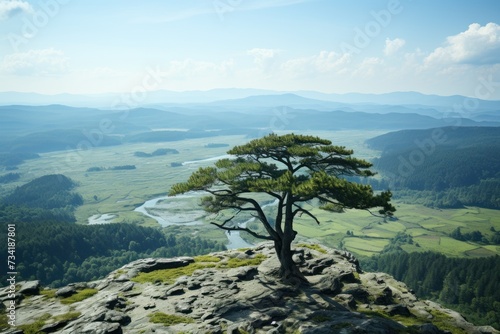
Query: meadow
{"points": [[119, 192]]}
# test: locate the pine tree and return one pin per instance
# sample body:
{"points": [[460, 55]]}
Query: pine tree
{"points": [[292, 170]]}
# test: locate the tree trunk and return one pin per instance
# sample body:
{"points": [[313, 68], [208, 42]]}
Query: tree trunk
{"points": [[289, 272]]}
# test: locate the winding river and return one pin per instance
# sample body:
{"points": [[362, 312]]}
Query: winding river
{"points": [[234, 237]]}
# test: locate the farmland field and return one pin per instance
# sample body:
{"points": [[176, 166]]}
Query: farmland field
{"points": [[119, 192]]}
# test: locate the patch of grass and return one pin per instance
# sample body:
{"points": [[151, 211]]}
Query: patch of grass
{"points": [[374, 314], [169, 319], [170, 275], [79, 296], [48, 293], [118, 273], [207, 258], [66, 316], [34, 327], [442, 321], [4, 322], [235, 262], [407, 321], [315, 247]]}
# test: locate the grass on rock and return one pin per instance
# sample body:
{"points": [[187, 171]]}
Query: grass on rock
{"points": [[201, 262], [169, 319], [79, 296]]}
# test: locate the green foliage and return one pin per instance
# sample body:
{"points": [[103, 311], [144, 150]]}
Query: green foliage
{"points": [[442, 321], [207, 258], [470, 286], [454, 169], [79, 296], [201, 262], [46, 192], [156, 153], [48, 293], [315, 247], [236, 262], [4, 322], [66, 316], [12, 159], [170, 275], [123, 167], [291, 170], [60, 253], [169, 319], [54, 140], [34, 327], [10, 177]]}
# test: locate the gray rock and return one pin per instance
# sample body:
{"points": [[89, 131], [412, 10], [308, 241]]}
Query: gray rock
{"points": [[149, 306], [127, 287], [114, 301], [247, 300], [429, 329], [183, 307], [329, 285], [30, 288], [346, 300], [53, 327], [116, 316], [242, 273], [100, 328], [398, 309], [66, 291], [385, 297], [148, 265]]}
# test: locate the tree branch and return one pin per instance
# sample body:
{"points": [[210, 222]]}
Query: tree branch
{"points": [[258, 236], [302, 210]]}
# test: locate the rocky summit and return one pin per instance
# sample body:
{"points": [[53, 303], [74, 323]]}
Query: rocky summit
{"points": [[234, 291]]}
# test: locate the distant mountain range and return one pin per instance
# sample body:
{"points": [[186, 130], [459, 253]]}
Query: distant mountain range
{"points": [[108, 100]]}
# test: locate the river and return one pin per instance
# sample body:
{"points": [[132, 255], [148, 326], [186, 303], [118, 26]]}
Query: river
{"points": [[186, 219]]}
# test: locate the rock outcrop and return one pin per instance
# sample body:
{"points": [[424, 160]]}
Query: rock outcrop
{"points": [[236, 292]]}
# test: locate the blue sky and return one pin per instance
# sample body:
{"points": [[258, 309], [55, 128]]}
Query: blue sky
{"points": [[441, 47]]}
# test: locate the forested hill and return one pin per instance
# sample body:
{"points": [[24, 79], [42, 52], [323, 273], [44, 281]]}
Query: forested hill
{"points": [[46, 192], [55, 251], [461, 163], [451, 137]]}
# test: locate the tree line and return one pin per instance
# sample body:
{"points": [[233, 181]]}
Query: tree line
{"points": [[60, 253], [469, 286], [52, 249], [443, 167]]}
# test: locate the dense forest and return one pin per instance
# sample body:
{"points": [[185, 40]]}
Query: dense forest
{"points": [[46, 192], [470, 286], [443, 167], [56, 251], [61, 253]]}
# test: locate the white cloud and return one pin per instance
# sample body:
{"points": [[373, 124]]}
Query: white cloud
{"points": [[392, 46], [478, 45], [265, 59], [368, 67], [43, 62], [324, 62], [9, 8]]}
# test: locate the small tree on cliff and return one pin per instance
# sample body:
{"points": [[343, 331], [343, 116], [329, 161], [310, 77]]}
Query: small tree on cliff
{"points": [[293, 170]]}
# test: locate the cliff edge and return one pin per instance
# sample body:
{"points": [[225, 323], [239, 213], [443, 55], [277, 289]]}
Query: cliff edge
{"points": [[233, 292]]}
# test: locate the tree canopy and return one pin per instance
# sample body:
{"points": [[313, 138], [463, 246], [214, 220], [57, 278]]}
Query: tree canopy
{"points": [[293, 170]]}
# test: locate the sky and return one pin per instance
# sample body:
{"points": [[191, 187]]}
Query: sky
{"points": [[444, 47]]}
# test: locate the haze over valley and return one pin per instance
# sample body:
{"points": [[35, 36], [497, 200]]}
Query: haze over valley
{"points": [[115, 118]]}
